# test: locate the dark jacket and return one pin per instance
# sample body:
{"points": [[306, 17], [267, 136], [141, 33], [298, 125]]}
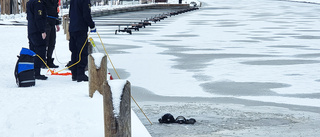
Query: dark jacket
{"points": [[36, 16], [80, 15], [52, 12]]}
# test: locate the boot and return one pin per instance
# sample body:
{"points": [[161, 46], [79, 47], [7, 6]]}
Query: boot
{"points": [[74, 73], [41, 77], [50, 63], [69, 64], [37, 74], [74, 77], [81, 76]]}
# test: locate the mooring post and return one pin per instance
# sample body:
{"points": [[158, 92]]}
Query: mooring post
{"points": [[5, 7], [23, 5], [116, 97], [117, 118], [65, 26], [97, 72]]}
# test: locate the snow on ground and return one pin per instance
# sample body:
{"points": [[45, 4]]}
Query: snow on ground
{"points": [[240, 68], [56, 107]]}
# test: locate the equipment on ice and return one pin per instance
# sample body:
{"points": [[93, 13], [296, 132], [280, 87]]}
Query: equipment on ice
{"points": [[168, 118], [180, 120]]}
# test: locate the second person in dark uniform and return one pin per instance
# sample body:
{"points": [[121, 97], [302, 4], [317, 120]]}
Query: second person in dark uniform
{"points": [[52, 27], [80, 20]]}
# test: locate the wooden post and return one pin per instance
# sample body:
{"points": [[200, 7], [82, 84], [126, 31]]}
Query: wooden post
{"points": [[5, 7], [66, 21], [90, 47], [2, 6], [3, 3], [23, 5], [116, 104], [8, 5], [117, 126], [14, 7], [97, 76]]}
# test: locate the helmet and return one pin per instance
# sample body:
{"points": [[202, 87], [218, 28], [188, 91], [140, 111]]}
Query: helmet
{"points": [[180, 120], [167, 118]]}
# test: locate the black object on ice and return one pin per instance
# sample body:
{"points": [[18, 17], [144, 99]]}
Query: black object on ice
{"points": [[190, 121], [167, 118], [180, 120]]}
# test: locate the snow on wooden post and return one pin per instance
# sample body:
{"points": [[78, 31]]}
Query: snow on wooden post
{"points": [[117, 108], [116, 97], [97, 65]]}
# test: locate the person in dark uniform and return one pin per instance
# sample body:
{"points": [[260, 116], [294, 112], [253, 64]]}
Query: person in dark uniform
{"points": [[36, 16], [52, 23], [80, 20]]}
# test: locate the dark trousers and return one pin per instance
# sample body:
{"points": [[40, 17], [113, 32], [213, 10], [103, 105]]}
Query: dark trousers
{"points": [[50, 40], [77, 40], [37, 45]]}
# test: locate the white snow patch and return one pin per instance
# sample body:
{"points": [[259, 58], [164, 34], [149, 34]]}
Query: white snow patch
{"points": [[97, 57], [116, 87]]}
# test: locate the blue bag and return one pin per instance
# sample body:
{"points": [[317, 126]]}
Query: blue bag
{"points": [[24, 70]]}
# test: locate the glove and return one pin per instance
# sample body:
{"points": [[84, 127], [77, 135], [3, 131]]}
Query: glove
{"points": [[93, 30]]}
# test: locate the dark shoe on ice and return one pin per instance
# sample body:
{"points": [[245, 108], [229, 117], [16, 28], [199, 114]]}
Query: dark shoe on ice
{"points": [[82, 78], [74, 78], [41, 77]]}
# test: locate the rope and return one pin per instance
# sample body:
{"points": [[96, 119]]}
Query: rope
{"points": [[44, 63], [110, 62], [120, 78], [108, 56], [79, 56], [141, 109], [70, 65]]}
